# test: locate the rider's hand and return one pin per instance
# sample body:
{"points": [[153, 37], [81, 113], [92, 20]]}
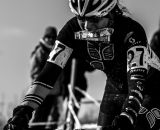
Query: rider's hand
{"points": [[20, 119], [122, 123]]}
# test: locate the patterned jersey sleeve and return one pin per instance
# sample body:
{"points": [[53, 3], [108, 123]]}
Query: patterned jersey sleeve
{"points": [[137, 68]]}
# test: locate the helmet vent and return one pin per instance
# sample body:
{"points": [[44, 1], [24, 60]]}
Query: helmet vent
{"points": [[95, 1], [91, 7], [105, 5]]}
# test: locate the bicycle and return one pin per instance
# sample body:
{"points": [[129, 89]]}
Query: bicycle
{"points": [[70, 112], [71, 118]]}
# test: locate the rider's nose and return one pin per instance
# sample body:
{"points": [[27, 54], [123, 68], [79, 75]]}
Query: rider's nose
{"points": [[89, 26], [85, 25]]}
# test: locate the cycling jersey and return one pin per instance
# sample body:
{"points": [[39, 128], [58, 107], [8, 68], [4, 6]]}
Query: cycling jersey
{"points": [[124, 59]]}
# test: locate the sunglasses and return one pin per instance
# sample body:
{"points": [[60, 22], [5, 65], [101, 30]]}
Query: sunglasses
{"points": [[91, 19]]}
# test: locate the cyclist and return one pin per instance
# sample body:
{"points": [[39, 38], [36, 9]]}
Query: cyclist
{"points": [[102, 35]]}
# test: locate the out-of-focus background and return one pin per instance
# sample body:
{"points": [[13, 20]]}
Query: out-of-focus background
{"points": [[22, 23]]}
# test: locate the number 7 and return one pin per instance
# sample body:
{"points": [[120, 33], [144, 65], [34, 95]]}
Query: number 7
{"points": [[141, 55]]}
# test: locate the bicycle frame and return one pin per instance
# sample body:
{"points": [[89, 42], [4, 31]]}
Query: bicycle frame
{"points": [[70, 116]]}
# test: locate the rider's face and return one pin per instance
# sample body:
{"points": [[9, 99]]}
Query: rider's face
{"points": [[93, 23]]}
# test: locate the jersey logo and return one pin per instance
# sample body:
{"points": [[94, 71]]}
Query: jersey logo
{"points": [[60, 54], [151, 115], [98, 55], [132, 39]]}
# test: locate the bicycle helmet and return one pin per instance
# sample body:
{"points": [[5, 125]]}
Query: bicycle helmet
{"points": [[88, 8]]}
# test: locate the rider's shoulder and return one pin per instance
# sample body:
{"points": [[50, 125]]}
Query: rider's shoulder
{"points": [[129, 22]]}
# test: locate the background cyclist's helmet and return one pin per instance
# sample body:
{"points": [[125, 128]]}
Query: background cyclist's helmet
{"points": [[88, 8]]}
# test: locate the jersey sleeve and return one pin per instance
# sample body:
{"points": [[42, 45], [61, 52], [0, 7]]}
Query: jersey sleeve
{"points": [[137, 68]]}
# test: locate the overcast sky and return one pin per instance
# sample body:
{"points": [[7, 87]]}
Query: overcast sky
{"points": [[22, 24]]}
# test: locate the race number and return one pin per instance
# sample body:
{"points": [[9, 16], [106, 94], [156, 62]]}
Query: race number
{"points": [[60, 54], [137, 58]]}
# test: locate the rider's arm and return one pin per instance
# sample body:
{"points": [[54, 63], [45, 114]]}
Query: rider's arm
{"points": [[40, 88], [48, 76], [137, 68]]}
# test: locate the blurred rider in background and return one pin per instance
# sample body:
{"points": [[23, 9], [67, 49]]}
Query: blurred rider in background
{"points": [[155, 40]]}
